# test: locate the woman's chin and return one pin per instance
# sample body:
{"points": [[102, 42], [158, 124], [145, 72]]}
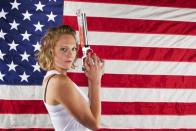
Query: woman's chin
{"points": [[67, 67]]}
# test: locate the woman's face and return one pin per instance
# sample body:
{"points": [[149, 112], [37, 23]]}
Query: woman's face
{"points": [[65, 52]]}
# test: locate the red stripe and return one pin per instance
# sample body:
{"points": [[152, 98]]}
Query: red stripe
{"points": [[22, 107], [108, 108], [185, 129], [135, 25], [148, 108], [165, 3], [144, 53], [140, 81], [27, 129]]}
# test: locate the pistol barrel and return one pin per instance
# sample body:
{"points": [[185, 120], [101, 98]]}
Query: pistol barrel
{"points": [[82, 25]]}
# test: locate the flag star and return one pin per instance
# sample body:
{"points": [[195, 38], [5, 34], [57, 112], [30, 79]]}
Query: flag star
{"points": [[26, 36], [13, 45], [1, 55], [24, 77], [38, 26], [2, 14], [39, 6], [1, 76], [51, 16], [14, 25], [15, 4], [36, 67], [12, 66], [25, 56], [52, 0], [27, 15], [2, 34], [37, 47]]}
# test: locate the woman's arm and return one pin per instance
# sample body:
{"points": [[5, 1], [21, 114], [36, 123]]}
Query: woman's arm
{"points": [[94, 72], [94, 99]]}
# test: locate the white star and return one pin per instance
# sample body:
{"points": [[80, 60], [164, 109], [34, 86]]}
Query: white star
{"points": [[2, 34], [38, 26], [36, 67], [2, 14], [14, 25], [39, 6], [1, 76], [12, 66], [25, 56], [24, 77], [52, 0], [27, 15], [15, 4], [26, 36], [13, 45], [51, 16], [37, 47], [1, 55]]}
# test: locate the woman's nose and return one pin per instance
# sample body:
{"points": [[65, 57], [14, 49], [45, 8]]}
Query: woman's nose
{"points": [[70, 53]]}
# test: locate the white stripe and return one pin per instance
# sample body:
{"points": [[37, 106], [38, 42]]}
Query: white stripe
{"points": [[148, 121], [141, 40], [108, 94], [130, 11], [25, 121], [111, 121], [21, 92], [146, 67], [142, 95]]}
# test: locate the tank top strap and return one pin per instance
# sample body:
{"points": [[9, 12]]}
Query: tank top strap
{"points": [[47, 86], [50, 73]]}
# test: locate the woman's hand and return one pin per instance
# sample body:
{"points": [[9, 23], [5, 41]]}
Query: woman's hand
{"points": [[94, 68]]}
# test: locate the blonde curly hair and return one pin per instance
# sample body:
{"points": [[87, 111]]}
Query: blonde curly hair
{"points": [[45, 56]]}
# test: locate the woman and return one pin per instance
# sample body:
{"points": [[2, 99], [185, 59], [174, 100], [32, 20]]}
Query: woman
{"points": [[68, 107]]}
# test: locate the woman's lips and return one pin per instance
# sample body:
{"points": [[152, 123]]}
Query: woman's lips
{"points": [[68, 61]]}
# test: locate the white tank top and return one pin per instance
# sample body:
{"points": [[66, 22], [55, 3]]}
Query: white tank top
{"points": [[61, 119]]}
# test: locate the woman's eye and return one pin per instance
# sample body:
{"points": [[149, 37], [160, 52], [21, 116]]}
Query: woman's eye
{"points": [[63, 49], [74, 49]]}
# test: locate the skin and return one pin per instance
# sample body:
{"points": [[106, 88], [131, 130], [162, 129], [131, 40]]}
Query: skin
{"points": [[61, 89]]}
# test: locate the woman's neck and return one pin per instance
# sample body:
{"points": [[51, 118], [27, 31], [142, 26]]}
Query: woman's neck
{"points": [[61, 71]]}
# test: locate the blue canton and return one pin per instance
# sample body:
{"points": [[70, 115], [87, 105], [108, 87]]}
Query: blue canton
{"points": [[22, 24]]}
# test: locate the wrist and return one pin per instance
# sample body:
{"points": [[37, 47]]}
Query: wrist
{"points": [[94, 82]]}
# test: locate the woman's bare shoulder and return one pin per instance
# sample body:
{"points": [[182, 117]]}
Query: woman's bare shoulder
{"points": [[56, 78], [60, 79], [58, 85], [57, 81]]}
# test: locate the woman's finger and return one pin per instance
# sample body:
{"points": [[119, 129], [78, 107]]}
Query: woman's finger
{"points": [[94, 58], [91, 61], [86, 65]]}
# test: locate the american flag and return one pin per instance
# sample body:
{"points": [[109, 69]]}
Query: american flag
{"points": [[149, 52]]}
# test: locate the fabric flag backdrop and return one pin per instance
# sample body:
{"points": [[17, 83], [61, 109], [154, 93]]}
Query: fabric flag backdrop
{"points": [[149, 52]]}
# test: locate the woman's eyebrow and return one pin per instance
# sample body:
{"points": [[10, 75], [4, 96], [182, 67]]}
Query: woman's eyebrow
{"points": [[68, 46]]}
